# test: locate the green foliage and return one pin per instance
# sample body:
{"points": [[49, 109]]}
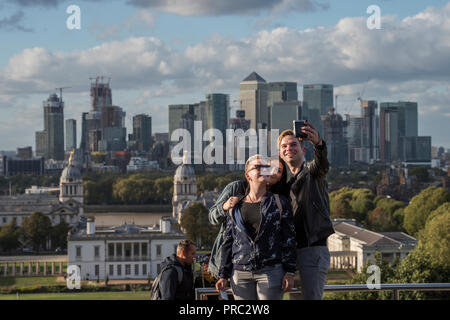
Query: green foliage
{"points": [[21, 182], [421, 173], [59, 235], [420, 206], [442, 209], [136, 189], [195, 222], [435, 238], [351, 203], [9, 236], [37, 228], [420, 267]]}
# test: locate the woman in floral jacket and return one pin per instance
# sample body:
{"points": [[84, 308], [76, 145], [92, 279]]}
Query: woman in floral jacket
{"points": [[259, 247]]}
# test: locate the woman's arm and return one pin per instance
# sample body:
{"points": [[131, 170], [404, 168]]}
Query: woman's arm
{"points": [[216, 213]]}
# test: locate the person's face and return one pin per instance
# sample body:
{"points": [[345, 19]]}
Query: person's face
{"points": [[276, 171], [258, 174], [189, 254], [290, 150]]}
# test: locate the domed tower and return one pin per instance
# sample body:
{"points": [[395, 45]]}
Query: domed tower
{"points": [[184, 188], [71, 183]]}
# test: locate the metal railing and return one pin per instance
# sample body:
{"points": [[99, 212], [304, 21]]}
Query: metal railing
{"points": [[203, 293]]}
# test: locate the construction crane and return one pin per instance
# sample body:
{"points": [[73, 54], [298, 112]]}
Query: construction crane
{"points": [[60, 91], [361, 94]]}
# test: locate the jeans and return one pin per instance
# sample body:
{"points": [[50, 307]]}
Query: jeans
{"points": [[313, 264], [264, 284]]}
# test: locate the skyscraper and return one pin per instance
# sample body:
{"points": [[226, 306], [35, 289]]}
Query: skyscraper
{"points": [[50, 141], [142, 132], [71, 134], [253, 93], [216, 112], [334, 136], [283, 113], [280, 92], [397, 119], [317, 99], [370, 128]]}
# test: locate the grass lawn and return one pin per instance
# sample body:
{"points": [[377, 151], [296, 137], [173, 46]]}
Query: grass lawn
{"points": [[29, 281], [138, 295]]}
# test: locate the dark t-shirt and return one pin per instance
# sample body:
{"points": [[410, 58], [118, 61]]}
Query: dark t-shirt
{"points": [[251, 215]]}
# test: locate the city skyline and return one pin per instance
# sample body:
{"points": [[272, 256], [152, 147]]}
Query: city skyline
{"points": [[152, 66]]}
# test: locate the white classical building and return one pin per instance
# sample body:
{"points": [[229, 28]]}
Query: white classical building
{"points": [[122, 252], [67, 206], [352, 246]]}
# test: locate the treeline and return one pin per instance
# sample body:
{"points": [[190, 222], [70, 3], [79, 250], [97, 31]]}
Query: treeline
{"points": [[382, 214], [21, 182], [145, 188], [35, 232]]}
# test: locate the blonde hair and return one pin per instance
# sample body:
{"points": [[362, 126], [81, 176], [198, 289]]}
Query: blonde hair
{"points": [[289, 132], [253, 158]]}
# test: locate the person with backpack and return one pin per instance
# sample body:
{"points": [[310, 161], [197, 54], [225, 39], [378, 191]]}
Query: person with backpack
{"points": [[258, 251], [176, 279]]}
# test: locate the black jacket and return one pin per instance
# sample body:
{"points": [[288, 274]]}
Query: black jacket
{"points": [[170, 288], [310, 201]]}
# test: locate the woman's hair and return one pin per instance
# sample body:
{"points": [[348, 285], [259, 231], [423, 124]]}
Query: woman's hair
{"points": [[281, 187], [253, 158]]}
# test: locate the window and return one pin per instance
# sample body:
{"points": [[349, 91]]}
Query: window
{"points": [[144, 269], [136, 269], [158, 250], [97, 270], [119, 249], [175, 246], [127, 269], [96, 251], [4, 220], [78, 251], [158, 268], [119, 269], [136, 249], [144, 249], [111, 249], [127, 250], [111, 270]]}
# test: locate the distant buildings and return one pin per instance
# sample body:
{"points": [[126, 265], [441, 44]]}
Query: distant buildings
{"points": [[399, 134], [142, 133], [253, 95], [103, 127], [317, 99], [334, 129], [12, 166], [50, 141], [71, 134]]}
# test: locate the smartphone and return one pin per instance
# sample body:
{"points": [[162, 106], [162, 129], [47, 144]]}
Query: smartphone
{"points": [[298, 124]]}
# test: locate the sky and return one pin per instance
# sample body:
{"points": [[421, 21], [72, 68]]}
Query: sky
{"points": [[161, 52]]}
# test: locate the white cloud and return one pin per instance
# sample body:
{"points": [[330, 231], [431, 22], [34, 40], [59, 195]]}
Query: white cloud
{"points": [[406, 60]]}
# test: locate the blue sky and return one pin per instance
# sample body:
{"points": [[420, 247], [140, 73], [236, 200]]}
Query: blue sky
{"points": [[168, 52]]}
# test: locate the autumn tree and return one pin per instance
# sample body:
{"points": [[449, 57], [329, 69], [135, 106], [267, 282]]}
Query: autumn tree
{"points": [[196, 225], [9, 236]]}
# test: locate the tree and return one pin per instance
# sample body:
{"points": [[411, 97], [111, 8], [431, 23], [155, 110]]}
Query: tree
{"points": [[37, 228], [9, 236], [380, 220], [195, 222], [420, 206], [435, 238], [136, 189], [59, 235], [164, 188], [421, 173], [442, 209]]}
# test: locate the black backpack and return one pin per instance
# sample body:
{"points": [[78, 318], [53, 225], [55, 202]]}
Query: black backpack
{"points": [[155, 292]]}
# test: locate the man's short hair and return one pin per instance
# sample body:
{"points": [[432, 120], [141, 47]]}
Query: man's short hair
{"points": [[289, 132], [184, 245]]}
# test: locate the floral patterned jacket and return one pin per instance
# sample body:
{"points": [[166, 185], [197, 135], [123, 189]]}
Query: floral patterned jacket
{"points": [[274, 243]]}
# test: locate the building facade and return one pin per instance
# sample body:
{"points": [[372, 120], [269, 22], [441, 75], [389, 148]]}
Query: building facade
{"points": [[253, 94], [71, 134]]}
